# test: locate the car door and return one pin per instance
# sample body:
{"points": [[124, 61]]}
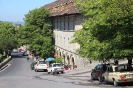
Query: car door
{"points": [[106, 74], [110, 73], [93, 73], [96, 71], [35, 66]]}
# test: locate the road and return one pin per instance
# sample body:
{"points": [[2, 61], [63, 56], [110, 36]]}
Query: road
{"points": [[18, 75]]}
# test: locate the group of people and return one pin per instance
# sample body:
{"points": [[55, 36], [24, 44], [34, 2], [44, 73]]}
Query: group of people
{"points": [[36, 58]]}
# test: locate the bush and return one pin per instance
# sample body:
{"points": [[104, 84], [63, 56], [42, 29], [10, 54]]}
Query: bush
{"points": [[58, 60]]}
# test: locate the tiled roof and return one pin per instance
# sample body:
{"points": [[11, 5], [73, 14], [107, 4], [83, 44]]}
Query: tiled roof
{"points": [[71, 10]]}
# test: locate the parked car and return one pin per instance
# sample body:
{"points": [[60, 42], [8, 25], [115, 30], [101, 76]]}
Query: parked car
{"points": [[32, 65], [40, 65], [25, 53], [97, 72], [55, 68], [121, 73], [22, 51]]}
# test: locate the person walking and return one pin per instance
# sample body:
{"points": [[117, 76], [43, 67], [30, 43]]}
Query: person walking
{"points": [[27, 58]]}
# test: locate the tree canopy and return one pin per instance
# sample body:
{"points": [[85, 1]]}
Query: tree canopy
{"points": [[8, 39], [108, 30], [36, 32]]}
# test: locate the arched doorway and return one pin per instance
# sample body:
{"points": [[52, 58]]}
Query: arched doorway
{"points": [[60, 54], [68, 60], [64, 59], [73, 63]]}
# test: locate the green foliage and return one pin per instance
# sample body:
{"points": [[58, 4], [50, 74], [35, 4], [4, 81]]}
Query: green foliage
{"points": [[0, 56], [8, 39], [36, 33], [58, 60], [107, 32], [7, 36]]}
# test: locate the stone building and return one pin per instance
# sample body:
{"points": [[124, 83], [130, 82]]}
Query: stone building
{"points": [[17, 25], [66, 19]]}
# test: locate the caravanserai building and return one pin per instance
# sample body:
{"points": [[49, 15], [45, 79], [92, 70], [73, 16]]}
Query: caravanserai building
{"points": [[66, 19]]}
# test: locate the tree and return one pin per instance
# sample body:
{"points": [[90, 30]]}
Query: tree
{"points": [[36, 34], [107, 33], [58, 60], [8, 39]]}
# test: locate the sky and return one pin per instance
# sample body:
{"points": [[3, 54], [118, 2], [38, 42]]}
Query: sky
{"points": [[14, 10]]}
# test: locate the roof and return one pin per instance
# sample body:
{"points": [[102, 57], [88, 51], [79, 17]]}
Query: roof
{"points": [[62, 7]]}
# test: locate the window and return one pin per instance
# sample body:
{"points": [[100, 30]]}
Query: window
{"points": [[66, 23], [55, 24], [58, 23], [42, 62], [110, 69], [62, 23], [56, 65], [71, 23], [99, 67]]}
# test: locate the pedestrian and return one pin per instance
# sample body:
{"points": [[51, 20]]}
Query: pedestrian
{"points": [[116, 62], [90, 61], [27, 58], [36, 57]]}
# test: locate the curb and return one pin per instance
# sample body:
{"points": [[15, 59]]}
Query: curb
{"points": [[4, 64]]}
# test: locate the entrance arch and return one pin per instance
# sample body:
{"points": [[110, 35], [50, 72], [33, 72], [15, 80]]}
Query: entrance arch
{"points": [[73, 63], [64, 58], [68, 60], [60, 54]]}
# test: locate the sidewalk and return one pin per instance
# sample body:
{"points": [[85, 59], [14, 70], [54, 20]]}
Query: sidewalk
{"points": [[4, 63], [86, 70], [81, 71]]}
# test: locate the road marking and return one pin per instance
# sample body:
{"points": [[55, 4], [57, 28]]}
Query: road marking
{"points": [[4, 67]]}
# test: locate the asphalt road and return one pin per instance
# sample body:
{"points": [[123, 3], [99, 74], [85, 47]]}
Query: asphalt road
{"points": [[19, 75]]}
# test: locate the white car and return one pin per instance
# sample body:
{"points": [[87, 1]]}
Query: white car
{"points": [[22, 51], [55, 68], [41, 65]]}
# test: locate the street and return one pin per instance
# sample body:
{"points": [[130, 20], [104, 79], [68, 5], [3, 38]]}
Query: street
{"points": [[19, 75]]}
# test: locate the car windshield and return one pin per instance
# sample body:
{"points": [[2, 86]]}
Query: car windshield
{"points": [[33, 63], [42, 62], [56, 65]]}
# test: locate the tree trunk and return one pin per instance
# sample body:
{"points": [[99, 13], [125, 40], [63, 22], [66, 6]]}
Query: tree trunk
{"points": [[129, 61]]}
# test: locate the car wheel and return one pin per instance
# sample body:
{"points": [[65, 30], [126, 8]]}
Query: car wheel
{"points": [[92, 78], [115, 83], [48, 72], [35, 70], [104, 80], [52, 73], [62, 72]]}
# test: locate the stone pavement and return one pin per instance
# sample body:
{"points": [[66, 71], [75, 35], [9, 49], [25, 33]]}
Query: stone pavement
{"points": [[81, 76], [85, 70]]}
